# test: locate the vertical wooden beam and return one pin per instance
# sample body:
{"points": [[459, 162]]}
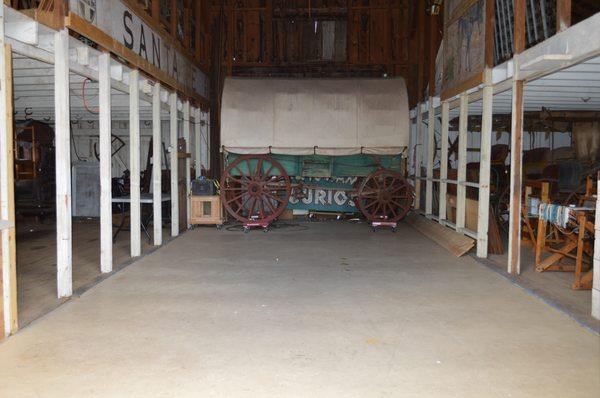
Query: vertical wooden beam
{"points": [[208, 142], [430, 157], [5, 155], [490, 22], [268, 18], [186, 137], [174, 19], [198, 142], [64, 255], [563, 15], [519, 25], [421, 18], [186, 23], [444, 160], [59, 13], [155, 10], [516, 146], [596, 275], [157, 165], [433, 50], [105, 146], [418, 148], [134, 163], [8, 252], [461, 188], [484, 172], [174, 166]]}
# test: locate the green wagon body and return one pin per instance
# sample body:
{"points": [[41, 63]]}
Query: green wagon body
{"points": [[329, 179]]}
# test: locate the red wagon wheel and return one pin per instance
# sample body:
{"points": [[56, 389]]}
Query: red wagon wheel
{"points": [[384, 196], [255, 189]]}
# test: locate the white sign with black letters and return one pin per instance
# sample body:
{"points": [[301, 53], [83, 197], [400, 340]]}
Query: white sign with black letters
{"points": [[121, 23]]}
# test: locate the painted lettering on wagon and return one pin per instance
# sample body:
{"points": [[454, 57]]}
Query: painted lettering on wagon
{"points": [[122, 24], [334, 196]]}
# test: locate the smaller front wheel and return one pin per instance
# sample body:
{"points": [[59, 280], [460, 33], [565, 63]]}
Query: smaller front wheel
{"points": [[384, 195]]}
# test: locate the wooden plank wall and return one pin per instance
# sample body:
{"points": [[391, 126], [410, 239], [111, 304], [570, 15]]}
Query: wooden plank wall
{"points": [[324, 38]]}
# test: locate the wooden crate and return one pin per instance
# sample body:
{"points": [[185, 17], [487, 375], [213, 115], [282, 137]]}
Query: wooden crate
{"points": [[206, 210]]}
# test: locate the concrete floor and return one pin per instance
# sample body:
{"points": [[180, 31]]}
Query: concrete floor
{"points": [[36, 262], [331, 310], [553, 287]]}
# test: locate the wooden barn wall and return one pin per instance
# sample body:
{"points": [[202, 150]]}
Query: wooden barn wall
{"points": [[323, 38]]}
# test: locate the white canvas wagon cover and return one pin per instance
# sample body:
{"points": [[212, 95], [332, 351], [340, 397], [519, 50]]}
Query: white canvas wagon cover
{"points": [[322, 116]]}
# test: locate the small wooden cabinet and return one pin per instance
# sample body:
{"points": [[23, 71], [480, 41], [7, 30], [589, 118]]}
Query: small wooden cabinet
{"points": [[206, 210]]}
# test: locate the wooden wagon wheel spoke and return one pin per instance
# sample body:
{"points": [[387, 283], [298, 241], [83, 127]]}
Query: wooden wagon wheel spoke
{"points": [[268, 202], [242, 206], [282, 200], [234, 199], [233, 188], [261, 207], [259, 166], [393, 211]]}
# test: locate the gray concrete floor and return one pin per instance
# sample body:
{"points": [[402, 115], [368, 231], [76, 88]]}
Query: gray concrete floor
{"points": [[553, 287], [36, 262], [333, 310]]}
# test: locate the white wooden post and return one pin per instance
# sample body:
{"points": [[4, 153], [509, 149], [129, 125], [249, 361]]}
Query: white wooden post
{"points": [[430, 158], [483, 213], [444, 160], [516, 162], [188, 177], [8, 263], [198, 141], [174, 171], [134, 163], [418, 148], [62, 139], [596, 277], [105, 146], [461, 188], [156, 165]]}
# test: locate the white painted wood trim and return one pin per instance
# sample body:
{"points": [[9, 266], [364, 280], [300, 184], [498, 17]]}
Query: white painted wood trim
{"points": [[484, 173], [64, 248], [156, 165], [7, 232], [134, 163], [418, 152], [444, 160], [105, 149], [596, 275], [174, 168], [430, 157], [198, 141], [516, 147], [461, 189], [188, 177]]}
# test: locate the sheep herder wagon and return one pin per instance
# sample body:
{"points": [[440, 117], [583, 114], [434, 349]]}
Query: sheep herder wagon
{"points": [[314, 144]]}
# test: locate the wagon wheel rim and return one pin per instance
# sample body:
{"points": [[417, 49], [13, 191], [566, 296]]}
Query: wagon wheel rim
{"points": [[255, 189], [384, 195]]}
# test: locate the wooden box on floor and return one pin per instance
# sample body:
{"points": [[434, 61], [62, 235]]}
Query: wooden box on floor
{"points": [[206, 210]]}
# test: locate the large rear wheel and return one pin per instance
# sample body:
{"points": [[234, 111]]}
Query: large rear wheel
{"points": [[255, 189]]}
